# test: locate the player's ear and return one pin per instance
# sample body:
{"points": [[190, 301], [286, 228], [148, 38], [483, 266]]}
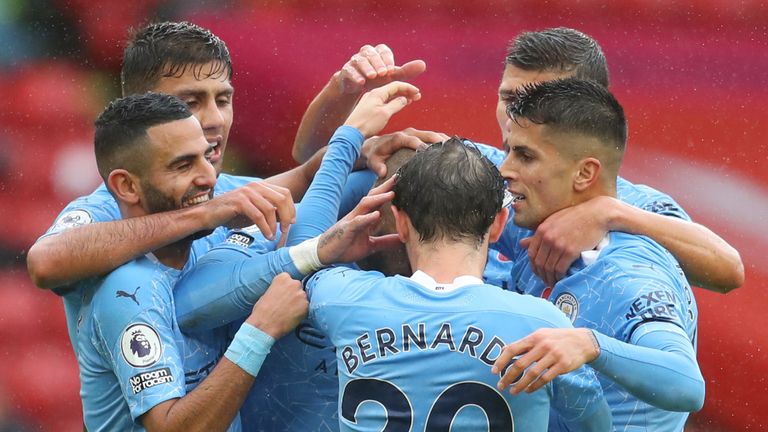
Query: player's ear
{"points": [[588, 174], [125, 186], [402, 224], [497, 227]]}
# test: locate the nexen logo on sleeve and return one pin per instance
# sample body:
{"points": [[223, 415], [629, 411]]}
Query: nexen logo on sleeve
{"points": [[149, 379]]}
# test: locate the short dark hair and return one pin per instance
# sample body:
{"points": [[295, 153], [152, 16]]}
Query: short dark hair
{"points": [[122, 127], [573, 106], [559, 50], [168, 49], [450, 190]]}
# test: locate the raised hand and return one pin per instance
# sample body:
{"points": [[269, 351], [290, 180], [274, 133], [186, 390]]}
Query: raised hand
{"points": [[376, 150], [349, 239], [373, 67], [379, 105]]}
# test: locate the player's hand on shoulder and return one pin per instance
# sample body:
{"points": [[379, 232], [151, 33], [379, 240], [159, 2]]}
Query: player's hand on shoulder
{"points": [[535, 360], [376, 150], [556, 244], [281, 308], [374, 66], [379, 105], [258, 203], [349, 239]]}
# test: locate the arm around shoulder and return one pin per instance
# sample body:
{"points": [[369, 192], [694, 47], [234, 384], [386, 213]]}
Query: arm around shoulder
{"points": [[707, 260], [659, 367], [98, 248]]}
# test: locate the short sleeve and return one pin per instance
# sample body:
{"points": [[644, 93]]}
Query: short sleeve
{"points": [[639, 300], [137, 329], [99, 206], [649, 199]]}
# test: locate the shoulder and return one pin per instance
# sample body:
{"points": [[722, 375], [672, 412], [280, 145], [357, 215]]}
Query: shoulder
{"points": [[132, 289], [638, 255], [536, 311], [649, 199], [99, 206], [639, 277], [339, 283]]}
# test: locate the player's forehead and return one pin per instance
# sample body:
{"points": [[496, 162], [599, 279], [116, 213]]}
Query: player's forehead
{"points": [[526, 134], [209, 78], [169, 141], [515, 78]]}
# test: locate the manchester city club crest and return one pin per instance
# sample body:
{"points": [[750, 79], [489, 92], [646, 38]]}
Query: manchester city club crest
{"points": [[568, 304], [141, 345]]}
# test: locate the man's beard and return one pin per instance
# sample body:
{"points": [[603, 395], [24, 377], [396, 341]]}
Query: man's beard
{"points": [[157, 202]]}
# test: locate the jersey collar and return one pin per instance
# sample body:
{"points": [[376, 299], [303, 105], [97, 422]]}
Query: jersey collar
{"points": [[428, 282]]}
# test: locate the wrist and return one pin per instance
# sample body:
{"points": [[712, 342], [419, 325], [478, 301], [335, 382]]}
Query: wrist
{"points": [[337, 89], [594, 351], [613, 213], [305, 256], [196, 218], [249, 348]]}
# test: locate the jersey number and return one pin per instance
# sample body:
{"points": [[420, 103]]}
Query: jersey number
{"points": [[442, 413]]}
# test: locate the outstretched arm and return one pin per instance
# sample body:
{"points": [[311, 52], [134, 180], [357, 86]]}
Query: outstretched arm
{"points": [[370, 68], [707, 260], [206, 300], [659, 352], [97, 248], [228, 279]]}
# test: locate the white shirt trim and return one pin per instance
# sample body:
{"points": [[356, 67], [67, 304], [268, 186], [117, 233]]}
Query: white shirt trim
{"points": [[428, 282], [589, 257]]}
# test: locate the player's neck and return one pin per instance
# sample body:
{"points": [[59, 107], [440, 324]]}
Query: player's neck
{"points": [[174, 255], [445, 261]]}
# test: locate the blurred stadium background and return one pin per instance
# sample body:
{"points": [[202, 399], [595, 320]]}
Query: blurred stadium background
{"points": [[692, 76]]}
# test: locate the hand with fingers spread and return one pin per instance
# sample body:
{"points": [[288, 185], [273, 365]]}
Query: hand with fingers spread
{"points": [[556, 244], [378, 149], [379, 105], [349, 239], [256, 203], [543, 355], [373, 67]]}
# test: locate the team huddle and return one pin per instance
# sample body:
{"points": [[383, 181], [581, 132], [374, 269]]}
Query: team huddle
{"points": [[408, 281]]}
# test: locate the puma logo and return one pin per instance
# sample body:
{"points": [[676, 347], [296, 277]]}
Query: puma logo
{"points": [[121, 293]]}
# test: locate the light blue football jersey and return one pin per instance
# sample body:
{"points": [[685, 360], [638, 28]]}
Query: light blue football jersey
{"points": [[100, 206], [130, 350], [296, 388], [413, 358], [500, 271], [628, 282]]}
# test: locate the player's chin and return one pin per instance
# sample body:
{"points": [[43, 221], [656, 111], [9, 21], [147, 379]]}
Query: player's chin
{"points": [[523, 221]]}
